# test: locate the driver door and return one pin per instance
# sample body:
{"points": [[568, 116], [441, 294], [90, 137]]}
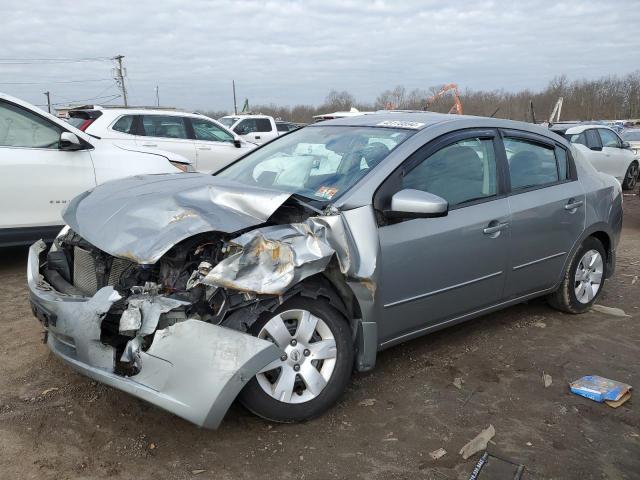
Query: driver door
{"points": [[38, 179], [437, 270]]}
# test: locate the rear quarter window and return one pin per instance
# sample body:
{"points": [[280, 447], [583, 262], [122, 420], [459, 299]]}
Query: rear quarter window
{"points": [[124, 124]]}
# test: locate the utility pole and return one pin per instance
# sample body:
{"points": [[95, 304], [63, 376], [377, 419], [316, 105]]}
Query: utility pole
{"points": [[119, 75], [235, 105], [48, 100], [157, 97]]}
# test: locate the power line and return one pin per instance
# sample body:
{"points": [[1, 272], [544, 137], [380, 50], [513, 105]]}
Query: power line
{"points": [[110, 98], [47, 61], [60, 81]]}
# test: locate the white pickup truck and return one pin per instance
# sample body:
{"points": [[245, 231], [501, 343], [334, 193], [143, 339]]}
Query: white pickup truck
{"points": [[257, 129]]}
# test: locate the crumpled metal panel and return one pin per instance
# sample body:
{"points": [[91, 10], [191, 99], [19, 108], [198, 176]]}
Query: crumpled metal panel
{"points": [[192, 369], [273, 259], [139, 218]]}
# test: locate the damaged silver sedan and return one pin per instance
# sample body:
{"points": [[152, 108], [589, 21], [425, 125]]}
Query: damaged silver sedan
{"points": [[273, 280]]}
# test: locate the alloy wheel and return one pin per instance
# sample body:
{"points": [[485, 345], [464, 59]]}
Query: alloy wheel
{"points": [[308, 356], [588, 277]]}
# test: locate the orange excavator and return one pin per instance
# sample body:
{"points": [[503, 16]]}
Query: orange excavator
{"points": [[457, 104]]}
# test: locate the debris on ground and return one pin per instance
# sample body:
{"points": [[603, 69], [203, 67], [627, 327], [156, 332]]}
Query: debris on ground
{"points": [[197, 472], [634, 279], [495, 468], [478, 443], [457, 382], [547, 380], [49, 390], [613, 311], [367, 402], [539, 324], [600, 389], [439, 453]]}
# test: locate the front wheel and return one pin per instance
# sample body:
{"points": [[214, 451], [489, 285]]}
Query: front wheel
{"points": [[315, 365], [583, 280], [631, 177]]}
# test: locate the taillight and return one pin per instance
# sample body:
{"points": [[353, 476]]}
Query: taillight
{"points": [[84, 125]]}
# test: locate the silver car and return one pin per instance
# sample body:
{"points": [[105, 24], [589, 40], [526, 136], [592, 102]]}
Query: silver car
{"points": [[273, 280]]}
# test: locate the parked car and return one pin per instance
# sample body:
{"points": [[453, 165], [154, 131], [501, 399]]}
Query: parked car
{"points": [[258, 129], [274, 283], [352, 112], [45, 162], [632, 137], [604, 149], [207, 143], [285, 127]]}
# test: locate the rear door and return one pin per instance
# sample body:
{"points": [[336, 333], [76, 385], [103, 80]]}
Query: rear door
{"points": [[215, 147], [38, 178], [166, 132], [547, 211], [434, 270]]}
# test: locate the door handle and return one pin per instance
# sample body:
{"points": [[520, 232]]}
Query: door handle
{"points": [[257, 137], [571, 205], [495, 228], [149, 144], [204, 148]]}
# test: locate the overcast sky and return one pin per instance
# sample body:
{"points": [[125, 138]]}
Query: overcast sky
{"points": [[290, 52]]}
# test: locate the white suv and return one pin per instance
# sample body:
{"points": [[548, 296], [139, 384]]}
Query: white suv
{"points": [[606, 151], [207, 143], [45, 162]]}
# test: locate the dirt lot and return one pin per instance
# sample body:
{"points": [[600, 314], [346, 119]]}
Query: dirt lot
{"points": [[55, 424]]}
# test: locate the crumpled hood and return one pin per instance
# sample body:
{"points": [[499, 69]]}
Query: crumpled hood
{"points": [[140, 218]]}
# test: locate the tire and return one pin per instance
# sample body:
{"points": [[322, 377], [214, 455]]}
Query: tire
{"points": [[309, 398], [569, 297], [631, 177]]}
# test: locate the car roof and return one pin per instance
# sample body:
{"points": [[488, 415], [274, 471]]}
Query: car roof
{"points": [[581, 128], [418, 120], [141, 111]]}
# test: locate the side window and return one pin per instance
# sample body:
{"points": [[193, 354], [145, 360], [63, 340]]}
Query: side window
{"points": [[530, 164], [593, 139], [609, 139], [22, 128], [124, 124], [209, 131], [263, 125], [248, 125], [461, 172], [282, 127], [580, 138], [166, 126], [563, 163]]}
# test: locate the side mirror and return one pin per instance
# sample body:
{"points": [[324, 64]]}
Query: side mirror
{"points": [[237, 143], [69, 141], [595, 148], [626, 145], [409, 203]]}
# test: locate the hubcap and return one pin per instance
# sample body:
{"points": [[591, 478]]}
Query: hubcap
{"points": [[308, 359], [588, 276]]}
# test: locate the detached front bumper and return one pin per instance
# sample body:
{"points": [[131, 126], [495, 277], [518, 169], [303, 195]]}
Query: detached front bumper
{"points": [[192, 369]]}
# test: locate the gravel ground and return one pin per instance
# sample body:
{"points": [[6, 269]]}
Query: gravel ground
{"points": [[55, 424]]}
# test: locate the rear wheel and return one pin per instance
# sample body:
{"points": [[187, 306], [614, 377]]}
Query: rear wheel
{"points": [[315, 365], [631, 177], [583, 280]]}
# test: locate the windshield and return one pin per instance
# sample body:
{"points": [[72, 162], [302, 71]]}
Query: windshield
{"points": [[319, 163], [228, 121], [631, 135]]}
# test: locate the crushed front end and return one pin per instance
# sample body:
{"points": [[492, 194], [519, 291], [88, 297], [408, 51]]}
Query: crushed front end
{"points": [[142, 329]]}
